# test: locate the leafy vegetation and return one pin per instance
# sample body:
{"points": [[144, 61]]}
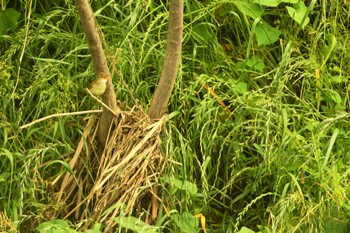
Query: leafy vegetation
{"points": [[258, 133]]}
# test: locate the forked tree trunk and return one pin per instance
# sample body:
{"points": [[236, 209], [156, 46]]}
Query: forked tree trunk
{"points": [[170, 68], [88, 22], [172, 61]]}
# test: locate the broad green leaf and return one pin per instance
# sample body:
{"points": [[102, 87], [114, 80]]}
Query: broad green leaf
{"points": [[245, 230], [187, 222], [4, 176], [9, 155], [266, 34], [203, 32], [240, 65], [264, 229], [298, 13], [182, 184], [135, 224], [55, 226], [8, 19], [334, 96], [334, 68], [97, 228], [338, 79], [334, 225], [240, 88], [251, 9], [290, 1], [272, 3], [255, 63]]}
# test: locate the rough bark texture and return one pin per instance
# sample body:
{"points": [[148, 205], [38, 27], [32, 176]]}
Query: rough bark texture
{"points": [[172, 60], [88, 22]]}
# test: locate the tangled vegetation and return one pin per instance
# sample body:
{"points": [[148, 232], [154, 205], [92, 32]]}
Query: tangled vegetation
{"points": [[258, 131]]}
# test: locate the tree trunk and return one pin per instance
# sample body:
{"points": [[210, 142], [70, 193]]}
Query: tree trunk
{"points": [[89, 25], [172, 61]]}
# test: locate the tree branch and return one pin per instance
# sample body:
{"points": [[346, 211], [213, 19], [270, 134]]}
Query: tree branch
{"points": [[172, 61], [89, 25]]}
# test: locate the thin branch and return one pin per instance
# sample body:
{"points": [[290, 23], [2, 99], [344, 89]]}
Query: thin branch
{"points": [[59, 115], [114, 112]]}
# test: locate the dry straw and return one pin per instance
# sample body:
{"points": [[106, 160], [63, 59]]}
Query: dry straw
{"points": [[124, 172]]}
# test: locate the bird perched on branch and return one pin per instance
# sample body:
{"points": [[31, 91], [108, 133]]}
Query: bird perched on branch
{"points": [[98, 86]]}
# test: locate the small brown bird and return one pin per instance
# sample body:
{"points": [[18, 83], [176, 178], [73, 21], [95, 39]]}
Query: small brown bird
{"points": [[98, 86]]}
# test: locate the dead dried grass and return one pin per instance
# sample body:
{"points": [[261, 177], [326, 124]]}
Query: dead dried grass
{"points": [[6, 225], [124, 172]]}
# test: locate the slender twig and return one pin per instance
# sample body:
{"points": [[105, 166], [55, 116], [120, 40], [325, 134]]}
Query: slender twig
{"points": [[115, 113], [71, 113], [58, 115]]}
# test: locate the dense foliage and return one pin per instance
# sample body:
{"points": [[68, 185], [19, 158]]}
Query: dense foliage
{"points": [[258, 134]]}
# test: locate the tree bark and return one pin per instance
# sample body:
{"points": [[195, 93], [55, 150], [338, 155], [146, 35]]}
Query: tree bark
{"points": [[89, 25], [172, 61]]}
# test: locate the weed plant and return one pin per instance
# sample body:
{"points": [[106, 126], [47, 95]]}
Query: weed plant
{"points": [[262, 145]]}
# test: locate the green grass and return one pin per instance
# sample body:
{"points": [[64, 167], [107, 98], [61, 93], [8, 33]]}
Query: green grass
{"points": [[278, 161]]}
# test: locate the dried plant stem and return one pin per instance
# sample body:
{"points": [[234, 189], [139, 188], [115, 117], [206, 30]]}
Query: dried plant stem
{"points": [[59, 115], [114, 112]]}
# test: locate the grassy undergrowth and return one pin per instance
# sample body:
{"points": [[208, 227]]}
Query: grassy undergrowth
{"points": [[258, 135]]}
